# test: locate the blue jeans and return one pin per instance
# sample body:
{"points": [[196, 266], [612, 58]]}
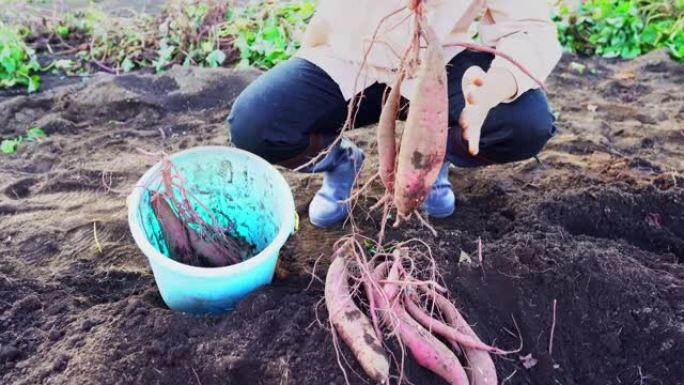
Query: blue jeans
{"points": [[292, 112]]}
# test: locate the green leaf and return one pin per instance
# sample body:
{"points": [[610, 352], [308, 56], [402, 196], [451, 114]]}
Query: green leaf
{"points": [[216, 58], [9, 146], [630, 52], [17, 61], [207, 46], [127, 65], [624, 28], [271, 33], [34, 83], [266, 32], [35, 133], [63, 30]]}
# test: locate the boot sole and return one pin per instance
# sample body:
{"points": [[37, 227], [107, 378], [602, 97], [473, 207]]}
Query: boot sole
{"points": [[326, 224], [442, 215]]}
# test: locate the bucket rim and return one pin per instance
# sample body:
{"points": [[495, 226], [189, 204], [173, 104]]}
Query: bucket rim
{"points": [[285, 229]]}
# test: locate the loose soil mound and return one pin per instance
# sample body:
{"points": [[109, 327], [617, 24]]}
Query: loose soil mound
{"points": [[598, 226]]}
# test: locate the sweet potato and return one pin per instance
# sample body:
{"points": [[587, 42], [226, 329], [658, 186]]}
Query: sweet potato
{"points": [[370, 283], [428, 351], [175, 232], [191, 239], [425, 348], [392, 288], [351, 324], [372, 308], [380, 270], [386, 134], [446, 331], [423, 142], [480, 368], [185, 244], [212, 251]]}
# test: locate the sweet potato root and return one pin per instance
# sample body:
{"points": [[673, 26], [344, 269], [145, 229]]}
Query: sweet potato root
{"points": [[351, 324], [423, 143]]}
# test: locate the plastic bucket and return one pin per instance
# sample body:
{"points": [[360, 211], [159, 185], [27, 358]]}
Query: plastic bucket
{"points": [[233, 184]]}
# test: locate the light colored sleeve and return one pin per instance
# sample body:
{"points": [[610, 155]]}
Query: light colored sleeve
{"points": [[523, 30]]}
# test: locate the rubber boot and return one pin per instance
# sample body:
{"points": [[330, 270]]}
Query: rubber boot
{"points": [[341, 166], [441, 202]]}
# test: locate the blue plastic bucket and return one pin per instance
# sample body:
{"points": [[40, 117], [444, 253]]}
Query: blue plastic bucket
{"points": [[240, 186]]}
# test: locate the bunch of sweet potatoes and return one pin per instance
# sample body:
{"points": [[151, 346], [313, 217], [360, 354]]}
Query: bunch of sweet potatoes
{"points": [[398, 304], [189, 238]]}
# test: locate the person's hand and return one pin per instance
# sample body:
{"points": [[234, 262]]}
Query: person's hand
{"points": [[482, 92]]}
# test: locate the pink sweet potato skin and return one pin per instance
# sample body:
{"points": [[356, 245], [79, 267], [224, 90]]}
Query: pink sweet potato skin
{"points": [[212, 251], [427, 350], [480, 368], [386, 134], [423, 142], [352, 325], [175, 233], [450, 333], [380, 271], [392, 289]]}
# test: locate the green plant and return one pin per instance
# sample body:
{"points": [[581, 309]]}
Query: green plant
{"points": [[622, 28], [268, 32], [188, 35], [664, 25], [185, 32], [189, 32], [63, 30], [9, 146], [18, 63]]}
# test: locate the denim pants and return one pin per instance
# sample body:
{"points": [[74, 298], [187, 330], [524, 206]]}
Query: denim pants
{"points": [[292, 112]]}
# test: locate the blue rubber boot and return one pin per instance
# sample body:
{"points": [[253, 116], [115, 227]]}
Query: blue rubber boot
{"points": [[341, 166], [441, 202]]}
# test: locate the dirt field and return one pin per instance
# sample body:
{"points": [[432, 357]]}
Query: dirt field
{"points": [[597, 226]]}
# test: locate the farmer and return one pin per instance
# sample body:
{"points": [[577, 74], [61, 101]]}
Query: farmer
{"points": [[294, 111]]}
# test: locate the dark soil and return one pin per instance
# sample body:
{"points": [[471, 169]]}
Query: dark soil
{"points": [[598, 226]]}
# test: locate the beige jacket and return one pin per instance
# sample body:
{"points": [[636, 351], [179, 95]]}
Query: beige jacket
{"points": [[341, 30]]}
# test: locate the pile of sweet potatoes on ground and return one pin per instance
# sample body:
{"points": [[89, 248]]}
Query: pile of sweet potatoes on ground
{"points": [[402, 302]]}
